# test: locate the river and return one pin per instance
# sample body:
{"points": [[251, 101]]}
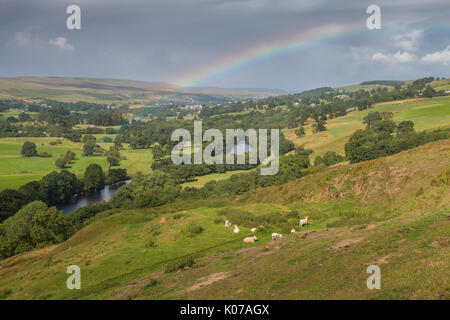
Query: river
{"points": [[102, 195]]}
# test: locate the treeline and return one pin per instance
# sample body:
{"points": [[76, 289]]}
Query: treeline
{"points": [[383, 137], [391, 83], [57, 188]]}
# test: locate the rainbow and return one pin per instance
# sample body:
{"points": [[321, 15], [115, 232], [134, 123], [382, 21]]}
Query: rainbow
{"points": [[281, 45], [269, 48]]}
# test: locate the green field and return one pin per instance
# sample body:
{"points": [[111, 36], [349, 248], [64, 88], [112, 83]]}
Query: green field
{"points": [[404, 233], [425, 113], [16, 170]]}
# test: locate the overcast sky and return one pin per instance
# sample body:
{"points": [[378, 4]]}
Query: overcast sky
{"points": [[169, 40]]}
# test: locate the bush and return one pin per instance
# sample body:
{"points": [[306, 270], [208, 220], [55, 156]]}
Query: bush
{"points": [[150, 243], [180, 264], [33, 226], [292, 214], [45, 155], [177, 216], [29, 149], [151, 283], [239, 217], [61, 163], [194, 230]]}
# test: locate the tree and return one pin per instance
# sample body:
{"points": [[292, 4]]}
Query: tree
{"points": [[10, 202], [371, 118], [69, 156], [89, 138], [388, 126], [88, 148], [157, 151], [405, 128], [113, 157], [61, 162], [300, 132], [94, 178], [29, 149], [328, 159], [319, 125], [429, 92], [58, 187], [24, 117], [116, 175], [33, 226]]}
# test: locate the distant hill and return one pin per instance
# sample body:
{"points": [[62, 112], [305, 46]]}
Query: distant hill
{"points": [[391, 83], [116, 90]]}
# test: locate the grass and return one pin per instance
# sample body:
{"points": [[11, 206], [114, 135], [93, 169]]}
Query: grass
{"points": [[16, 170], [406, 236], [425, 113], [202, 180]]}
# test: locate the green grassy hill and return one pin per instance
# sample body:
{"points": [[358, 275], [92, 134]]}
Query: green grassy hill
{"points": [[425, 113], [392, 212]]}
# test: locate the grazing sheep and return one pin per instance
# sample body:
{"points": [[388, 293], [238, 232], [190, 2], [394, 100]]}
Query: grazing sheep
{"points": [[236, 229], [304, 222], [293, 231], [250, 239], [276, 236], [254, 229], [227, 223]]}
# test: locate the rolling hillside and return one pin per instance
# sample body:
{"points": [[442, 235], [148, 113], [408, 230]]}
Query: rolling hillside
{"points": [[114, 91], [392, 212], [425, 113]]}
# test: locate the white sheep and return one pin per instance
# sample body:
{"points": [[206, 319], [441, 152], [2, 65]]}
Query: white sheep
{"points": [[236, 229], [227, 223], [254, 229], [276, 236], [304, 222], [250, 239], [293, 231]]}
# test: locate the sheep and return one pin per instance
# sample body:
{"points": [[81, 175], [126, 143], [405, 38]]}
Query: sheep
{"points": [[250, 239], [303, 222], [236, 229], [276, 236], [293, 231], [227, 223], [254, 229]]}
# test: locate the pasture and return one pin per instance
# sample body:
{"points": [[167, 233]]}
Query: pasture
{"points": [[16, 170], [426, 114]]}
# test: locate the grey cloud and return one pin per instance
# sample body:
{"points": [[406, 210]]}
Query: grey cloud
{"points": [[159, 40]]}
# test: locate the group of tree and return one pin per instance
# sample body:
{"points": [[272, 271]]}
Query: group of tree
{"points": [[65, 159], [58, 188], [382, 136]]}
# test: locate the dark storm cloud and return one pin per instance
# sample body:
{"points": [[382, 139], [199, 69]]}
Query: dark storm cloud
{"points": [[159, 40]]}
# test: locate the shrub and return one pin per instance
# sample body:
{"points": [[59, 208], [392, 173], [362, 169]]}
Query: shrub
{"points": [[180, 264], [151, 283], [292, 214], [45, 155], [239, 217], [177, 216], [194, 229], [150, 243], [29, 149]]}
